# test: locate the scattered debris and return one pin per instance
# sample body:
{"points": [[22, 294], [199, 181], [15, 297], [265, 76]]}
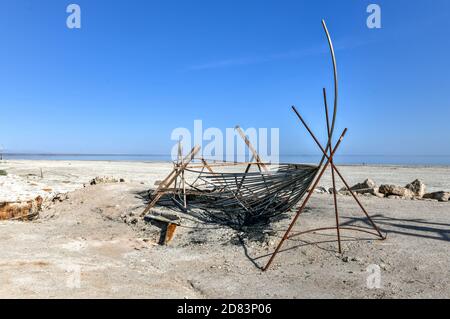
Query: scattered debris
{"points": [[21, 210], [168, 223], [60, 197], [106, 180]]}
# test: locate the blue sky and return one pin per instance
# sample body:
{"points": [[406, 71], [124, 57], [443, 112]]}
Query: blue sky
{"points": [[138, 69]]}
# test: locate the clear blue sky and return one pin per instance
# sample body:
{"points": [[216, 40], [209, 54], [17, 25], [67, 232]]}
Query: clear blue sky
{"points": [[138, 69]]}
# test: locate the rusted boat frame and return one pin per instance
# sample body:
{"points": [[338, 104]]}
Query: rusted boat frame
{"points": [[186, 163]]}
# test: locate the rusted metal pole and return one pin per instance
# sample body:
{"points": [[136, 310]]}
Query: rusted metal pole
{"points": [[336, 212], [183, 181], [251, 148], [300, 210]]}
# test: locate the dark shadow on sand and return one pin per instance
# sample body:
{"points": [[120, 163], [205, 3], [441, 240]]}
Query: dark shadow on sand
{"points": [[407, 227]]}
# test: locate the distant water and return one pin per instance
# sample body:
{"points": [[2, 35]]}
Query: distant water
{"points": [[342, 159], [374, 160]]}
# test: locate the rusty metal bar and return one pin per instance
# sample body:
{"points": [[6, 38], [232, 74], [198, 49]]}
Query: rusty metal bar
{"points": [[367, 231], [208, 167], [332, 171], [251, 148]]}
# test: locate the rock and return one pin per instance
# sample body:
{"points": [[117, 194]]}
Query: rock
{"points": [[417, 187], [321, 190], [394, 197], [402, 192], [344, 191], [367, 186], [378, 194], [440, 196]]}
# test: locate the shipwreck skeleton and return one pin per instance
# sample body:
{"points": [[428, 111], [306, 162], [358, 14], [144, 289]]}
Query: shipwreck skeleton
{"points": [[262, 191]]}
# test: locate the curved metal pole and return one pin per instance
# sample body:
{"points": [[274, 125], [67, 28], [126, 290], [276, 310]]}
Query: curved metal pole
{"points": [[335, 77]]}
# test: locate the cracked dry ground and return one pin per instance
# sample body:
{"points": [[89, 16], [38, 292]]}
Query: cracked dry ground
{"points": [[86, 235]]}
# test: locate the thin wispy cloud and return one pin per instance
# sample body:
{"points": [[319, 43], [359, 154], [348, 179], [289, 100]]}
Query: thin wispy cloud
{"points": [[293, 54]]}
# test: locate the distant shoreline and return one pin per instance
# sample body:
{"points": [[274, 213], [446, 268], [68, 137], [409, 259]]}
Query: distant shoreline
{"points": [[166, 159]]}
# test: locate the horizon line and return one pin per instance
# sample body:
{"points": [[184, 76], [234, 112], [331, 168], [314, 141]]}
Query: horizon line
{"points": [[168, 154]]}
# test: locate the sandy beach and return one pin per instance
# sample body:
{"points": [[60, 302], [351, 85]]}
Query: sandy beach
{"points": [[80, 246]]}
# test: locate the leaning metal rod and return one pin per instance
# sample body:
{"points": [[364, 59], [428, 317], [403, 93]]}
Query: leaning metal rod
{"points": [[340, 175], [332, 172], [300, 210], [251, 148]]}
